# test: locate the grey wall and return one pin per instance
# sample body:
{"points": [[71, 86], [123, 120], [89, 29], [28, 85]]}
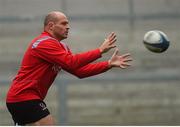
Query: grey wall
{"points": [[145, 94]]}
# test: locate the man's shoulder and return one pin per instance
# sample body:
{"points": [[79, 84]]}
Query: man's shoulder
{"points": [[43, 40]]}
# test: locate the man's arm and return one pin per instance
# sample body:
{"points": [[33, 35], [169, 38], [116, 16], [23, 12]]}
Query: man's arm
{"points": [[91, 69], [120, 61], [53, 52]]}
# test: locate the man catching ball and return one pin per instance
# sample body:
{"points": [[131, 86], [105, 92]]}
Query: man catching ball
{"points": [[44, 58]]}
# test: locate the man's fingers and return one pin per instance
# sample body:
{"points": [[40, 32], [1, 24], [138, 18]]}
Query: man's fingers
{"points": [[109, 35], [108, 43], [112, 41], [128, 60], [126, 55], [112, 46], [116, 52], [121, 66], [124, 65], [112, 37]]}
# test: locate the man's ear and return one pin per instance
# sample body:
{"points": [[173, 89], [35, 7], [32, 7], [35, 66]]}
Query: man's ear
{"points": [[51, 25]]}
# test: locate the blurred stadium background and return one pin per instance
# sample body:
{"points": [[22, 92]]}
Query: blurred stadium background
{"points": [[145, 94]]}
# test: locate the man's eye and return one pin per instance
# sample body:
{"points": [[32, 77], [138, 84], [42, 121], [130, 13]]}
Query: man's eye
{"points": [[64, 23]]}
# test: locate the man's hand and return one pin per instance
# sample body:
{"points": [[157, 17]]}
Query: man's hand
{"points": [[108, 43], [121, 61]]}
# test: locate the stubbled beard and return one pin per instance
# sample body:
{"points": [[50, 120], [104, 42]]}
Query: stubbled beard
{"points": [[59, 36]]}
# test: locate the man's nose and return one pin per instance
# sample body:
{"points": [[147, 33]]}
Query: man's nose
{"points": [[68, 26]]}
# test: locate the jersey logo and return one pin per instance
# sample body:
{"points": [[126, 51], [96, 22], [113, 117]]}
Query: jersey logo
{"points": [[43, 106], [36, 43]]}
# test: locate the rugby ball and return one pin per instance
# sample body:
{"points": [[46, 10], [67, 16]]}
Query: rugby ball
{"points": [[156, 41]]}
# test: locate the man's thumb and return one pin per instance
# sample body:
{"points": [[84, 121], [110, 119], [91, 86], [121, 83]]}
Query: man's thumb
{"points": [[116, 52]]}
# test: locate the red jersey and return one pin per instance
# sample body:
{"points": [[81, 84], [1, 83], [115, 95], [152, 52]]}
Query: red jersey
{"points": [[42, 61]]}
